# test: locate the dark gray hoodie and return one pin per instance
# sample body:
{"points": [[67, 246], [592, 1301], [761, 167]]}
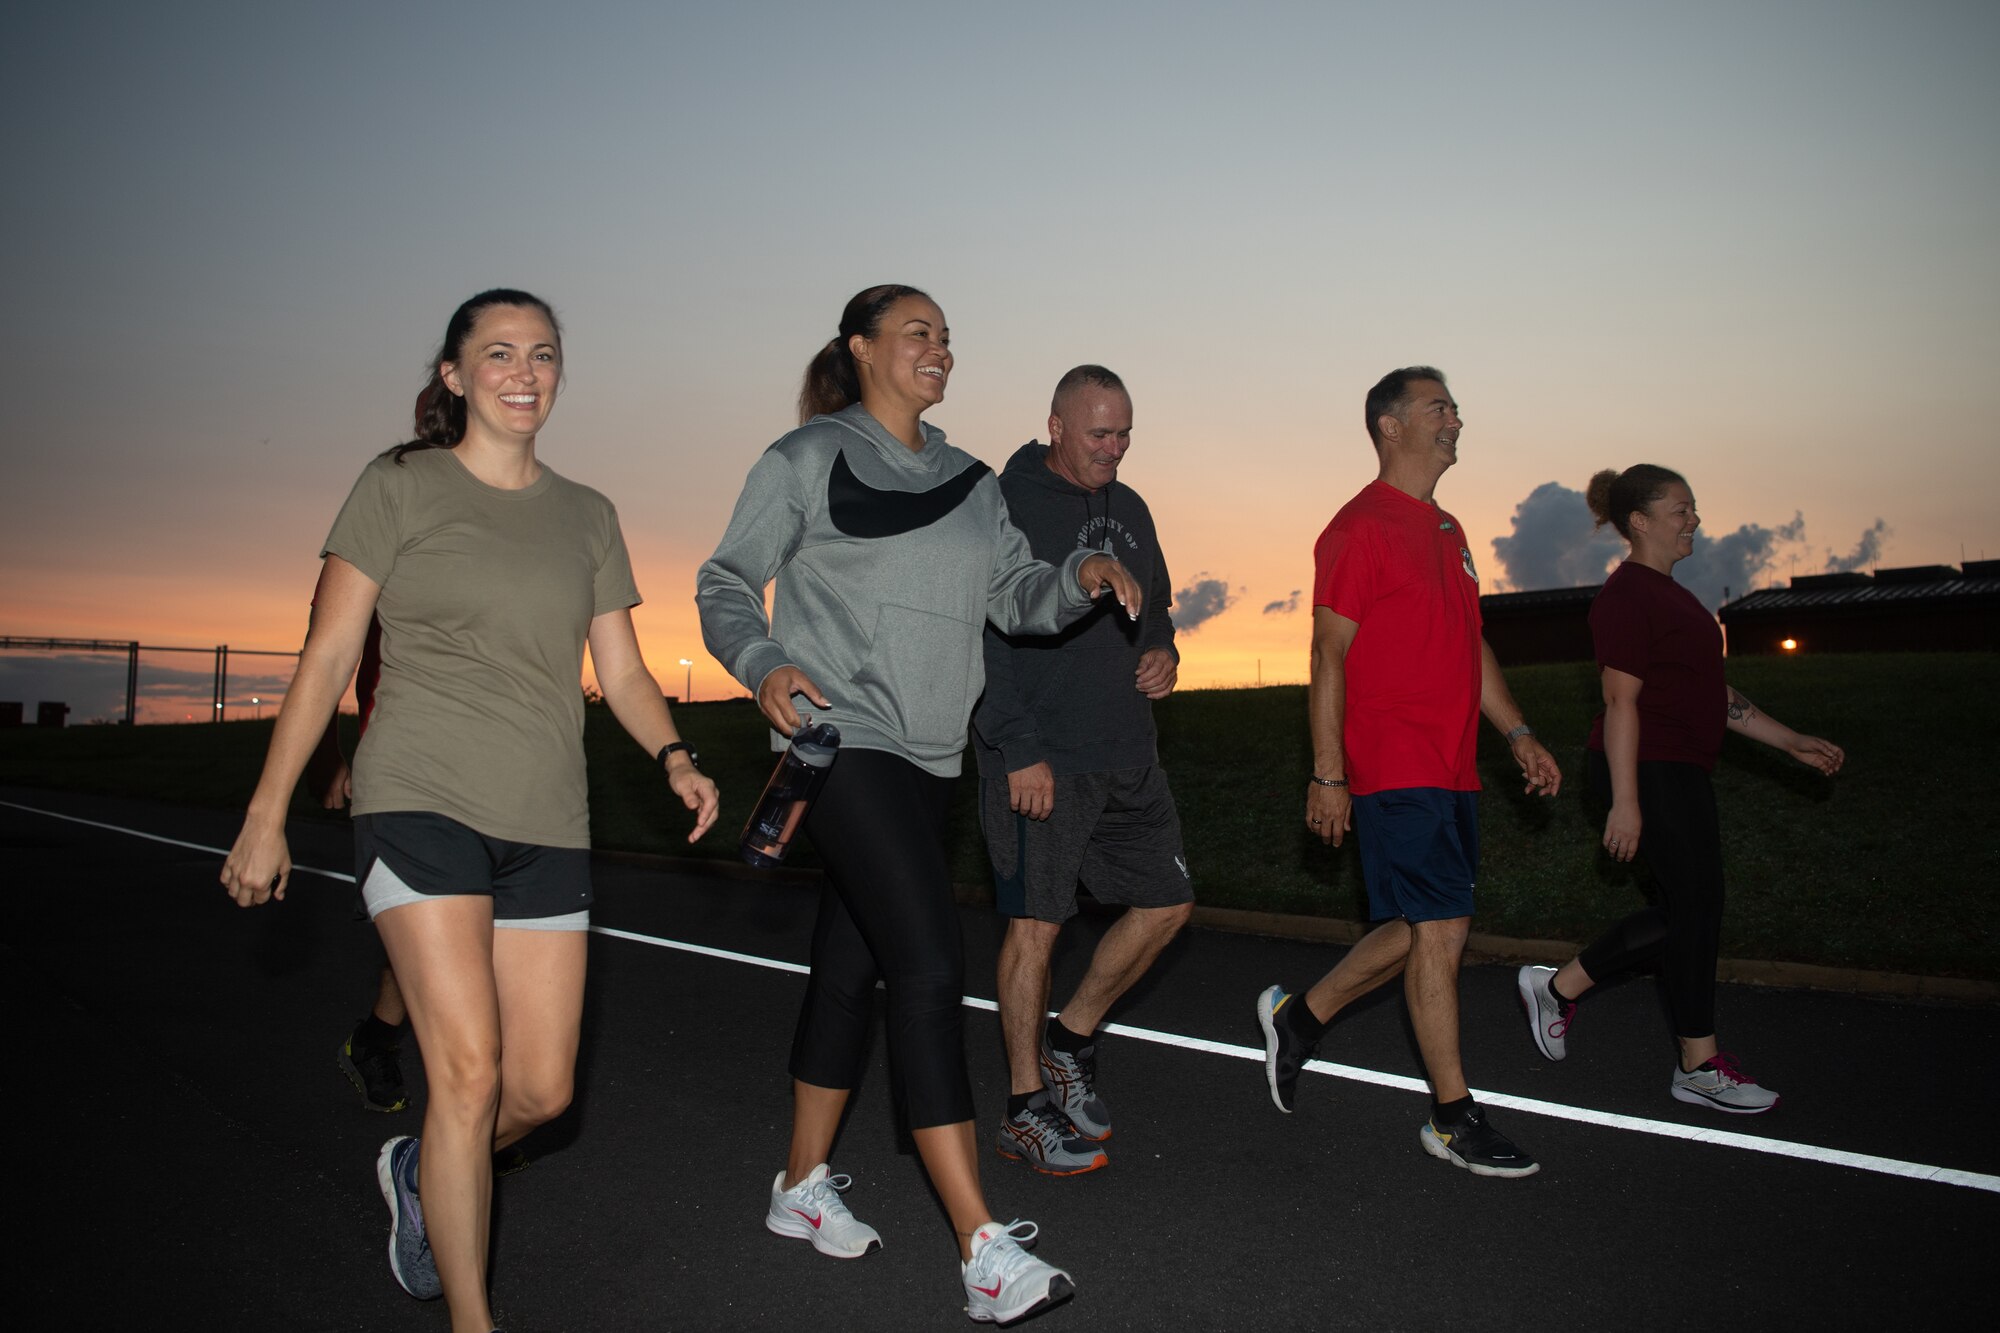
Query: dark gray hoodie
{"points": [[1069, 698], [888, 564]]}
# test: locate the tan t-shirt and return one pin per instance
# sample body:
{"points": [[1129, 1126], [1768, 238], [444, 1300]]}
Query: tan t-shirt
{"points": [[487, 597]]}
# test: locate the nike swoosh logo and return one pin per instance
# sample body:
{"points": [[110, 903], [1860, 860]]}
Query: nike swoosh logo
{"points": [[993, 1294], [810, 1218], [859, 510]]}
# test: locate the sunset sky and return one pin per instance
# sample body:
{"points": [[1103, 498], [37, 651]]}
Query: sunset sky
{"points": [[1758, 242]]}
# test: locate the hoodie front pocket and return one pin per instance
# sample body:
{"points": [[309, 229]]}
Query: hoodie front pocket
{"points": [[918, 675]]}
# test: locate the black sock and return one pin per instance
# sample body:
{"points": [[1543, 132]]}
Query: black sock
{"points": [[1299, 1017], [1066, 1041], [1559, 996], [374, 1032], [1017, 1102], [1450, 1113]]}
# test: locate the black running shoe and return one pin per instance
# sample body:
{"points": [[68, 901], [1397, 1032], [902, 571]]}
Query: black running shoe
{"points": [[509, 1160], [1284, 1053], [1478, 1147], [375, 1071]]}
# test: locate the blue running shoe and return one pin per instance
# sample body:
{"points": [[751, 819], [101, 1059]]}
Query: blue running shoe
{"points": [[409, 1252]]}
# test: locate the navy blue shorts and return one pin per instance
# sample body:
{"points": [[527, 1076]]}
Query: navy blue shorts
{"points": [[1419, 852]]}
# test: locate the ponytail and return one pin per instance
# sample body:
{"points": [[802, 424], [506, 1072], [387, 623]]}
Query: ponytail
{"points": [[831, 381]]}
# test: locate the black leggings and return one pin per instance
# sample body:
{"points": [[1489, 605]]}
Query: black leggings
{"points": [[886, 911], [1680, 841]]}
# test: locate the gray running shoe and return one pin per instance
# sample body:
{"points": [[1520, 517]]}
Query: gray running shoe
{"points": [[1549, 1015], [1072, 1084], [409, 1251], [1719, 1083], [1475, 1145], [1044, 1138]]}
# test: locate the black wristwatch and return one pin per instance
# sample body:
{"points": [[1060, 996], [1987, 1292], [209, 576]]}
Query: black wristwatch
{"points": [[666, 751]]}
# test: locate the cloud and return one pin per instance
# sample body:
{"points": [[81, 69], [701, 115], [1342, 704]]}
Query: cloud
{"points": [[1867, 551], [1553, 545], [1201, 602], [1285, 606], [1726, 567]]}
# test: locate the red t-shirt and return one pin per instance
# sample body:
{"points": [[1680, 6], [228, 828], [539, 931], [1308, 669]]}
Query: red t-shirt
{"points": [[1400, 569], [1646, 625]]}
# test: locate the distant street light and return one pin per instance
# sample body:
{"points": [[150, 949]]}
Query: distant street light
{"points": [[687, 694], [259, 705]]}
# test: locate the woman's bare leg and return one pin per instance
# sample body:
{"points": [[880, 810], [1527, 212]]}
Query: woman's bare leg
{"points": [[442, 951]]}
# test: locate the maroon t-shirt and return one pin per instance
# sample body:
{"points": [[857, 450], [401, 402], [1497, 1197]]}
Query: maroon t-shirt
{"points": [[1646, 625]]}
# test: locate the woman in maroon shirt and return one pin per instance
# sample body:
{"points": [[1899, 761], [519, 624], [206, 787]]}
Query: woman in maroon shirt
{"points": [[1666, 706]]}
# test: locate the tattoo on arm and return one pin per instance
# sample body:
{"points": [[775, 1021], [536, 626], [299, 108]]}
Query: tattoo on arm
{"points": [[1740, 708]]}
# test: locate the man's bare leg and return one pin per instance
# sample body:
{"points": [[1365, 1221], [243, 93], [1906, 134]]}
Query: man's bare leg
{"points": [[1023, 987], [1375, 958], [389, 1007], [1431, 987], [1122, 957]]}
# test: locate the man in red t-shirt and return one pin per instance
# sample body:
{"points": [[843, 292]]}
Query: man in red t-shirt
{"points": [[1400, 674]]}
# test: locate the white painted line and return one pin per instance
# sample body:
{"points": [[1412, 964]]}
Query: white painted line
{"points": [[171, 842], [725, 954], [1721, 1138]]}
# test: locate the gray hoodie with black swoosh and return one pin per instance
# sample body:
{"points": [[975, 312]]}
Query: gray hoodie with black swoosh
{"points": [[888, 564]]}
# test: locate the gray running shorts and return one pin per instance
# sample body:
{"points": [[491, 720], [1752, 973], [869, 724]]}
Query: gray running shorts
{"points": [[1117, 832]]}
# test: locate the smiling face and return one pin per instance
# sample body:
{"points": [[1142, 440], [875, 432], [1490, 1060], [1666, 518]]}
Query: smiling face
{"points": [[909, 359], [508, 372], [1667, 525], [1089, 433], [1428, 426]]}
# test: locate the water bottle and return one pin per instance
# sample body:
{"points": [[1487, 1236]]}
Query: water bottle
{"points": [[800, 773]]}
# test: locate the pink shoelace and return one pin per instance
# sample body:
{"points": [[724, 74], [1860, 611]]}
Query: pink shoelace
{"points": [[1560, 1027], [1725, 1064]]}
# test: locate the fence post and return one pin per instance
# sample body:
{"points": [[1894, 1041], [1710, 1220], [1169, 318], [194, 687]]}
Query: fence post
{"points": [[132, 684]]}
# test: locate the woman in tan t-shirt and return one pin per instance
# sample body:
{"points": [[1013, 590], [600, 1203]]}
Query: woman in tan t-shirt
{"points": [[490, 574]]}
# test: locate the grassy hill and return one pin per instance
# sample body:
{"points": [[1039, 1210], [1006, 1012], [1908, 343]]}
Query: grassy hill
{"points": [[1888, 866]]}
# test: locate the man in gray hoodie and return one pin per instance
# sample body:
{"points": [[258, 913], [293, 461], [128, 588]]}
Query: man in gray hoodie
{"points": [[1070, 783]]}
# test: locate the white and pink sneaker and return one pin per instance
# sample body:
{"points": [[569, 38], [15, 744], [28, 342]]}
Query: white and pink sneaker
{"points": [[813, 1210], [1003, 1282]]}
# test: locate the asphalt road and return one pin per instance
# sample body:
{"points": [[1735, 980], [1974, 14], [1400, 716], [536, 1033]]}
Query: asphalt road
{"points": [[194, 1158]]}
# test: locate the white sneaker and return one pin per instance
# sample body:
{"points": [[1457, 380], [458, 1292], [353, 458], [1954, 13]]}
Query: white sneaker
{"points": [[1003, 1282], [1549, 1014], [1719, 1083], [812, 1210]]}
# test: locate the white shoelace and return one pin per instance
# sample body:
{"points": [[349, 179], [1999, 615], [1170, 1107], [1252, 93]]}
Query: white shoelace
{"points": [[1002, 1256], [825, 1195]]}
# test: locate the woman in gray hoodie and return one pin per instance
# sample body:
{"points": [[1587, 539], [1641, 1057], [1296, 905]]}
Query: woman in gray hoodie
{"points": [[891, 550]]}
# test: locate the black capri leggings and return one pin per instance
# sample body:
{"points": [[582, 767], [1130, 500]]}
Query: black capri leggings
{"points": [[886, 911], [1680, 840]]}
